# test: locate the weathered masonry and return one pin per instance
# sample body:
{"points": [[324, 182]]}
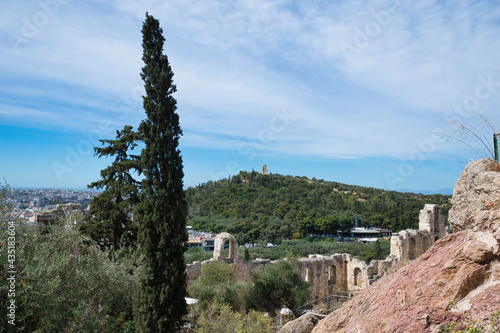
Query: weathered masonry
{"points": [[339, 271], [409, 244]]}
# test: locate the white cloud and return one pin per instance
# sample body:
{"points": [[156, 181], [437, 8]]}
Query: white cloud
{"points": [[236, 63]]}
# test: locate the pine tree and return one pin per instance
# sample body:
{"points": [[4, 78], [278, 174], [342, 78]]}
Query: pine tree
{"points": [[108, 217], [162, 211]]}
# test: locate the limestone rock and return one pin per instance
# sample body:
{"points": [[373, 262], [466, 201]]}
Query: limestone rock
{"points": [[303, 324], [477, 188]]}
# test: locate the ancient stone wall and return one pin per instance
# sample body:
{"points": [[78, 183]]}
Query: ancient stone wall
{"points": [[338, 272], [327, 274], [410, 244]]}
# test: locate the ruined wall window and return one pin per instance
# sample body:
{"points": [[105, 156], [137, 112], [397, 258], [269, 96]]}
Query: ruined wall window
{"points": [[332, 275], [309, 274], [412, 249], [357, 276]]}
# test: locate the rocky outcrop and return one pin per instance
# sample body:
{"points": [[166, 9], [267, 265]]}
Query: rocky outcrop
{"points": [[303, 324], [478, 188], [463, 268]]}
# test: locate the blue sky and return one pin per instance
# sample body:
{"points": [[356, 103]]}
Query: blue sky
{"points": [[357, 92]]}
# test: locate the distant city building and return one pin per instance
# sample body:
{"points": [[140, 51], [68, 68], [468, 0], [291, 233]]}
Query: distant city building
{"points": [[200, 240], [29, 203], [369, 234]]}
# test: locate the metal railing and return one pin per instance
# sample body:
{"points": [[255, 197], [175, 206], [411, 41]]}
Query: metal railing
{"points": [[321, 306]]}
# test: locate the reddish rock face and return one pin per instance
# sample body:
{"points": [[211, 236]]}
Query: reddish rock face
{"points": [[418, 296], [463, 268]]}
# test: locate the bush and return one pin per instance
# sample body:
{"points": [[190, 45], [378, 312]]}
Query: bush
{"points": [[217, 284], [279, 285], [64, 283], [193, 255], [221, 318]]}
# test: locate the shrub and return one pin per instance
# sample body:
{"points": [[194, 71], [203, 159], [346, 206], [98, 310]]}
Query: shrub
{"points": [[64, 283], [279, 285], [221, 318], [217, 284]]}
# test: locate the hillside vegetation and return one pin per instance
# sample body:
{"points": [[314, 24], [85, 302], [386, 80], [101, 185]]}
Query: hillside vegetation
{"points": [[257, 207]]}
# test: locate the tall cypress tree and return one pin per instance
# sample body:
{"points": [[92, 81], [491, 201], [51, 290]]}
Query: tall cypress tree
{"points": [[162, 211]]}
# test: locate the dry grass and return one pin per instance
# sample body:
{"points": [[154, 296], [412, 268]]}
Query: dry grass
{"points": [[494, 166], [478, 140]]}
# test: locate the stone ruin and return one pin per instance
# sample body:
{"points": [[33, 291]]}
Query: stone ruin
{"points": [[219, 242], [339, 271], [409, 244]]}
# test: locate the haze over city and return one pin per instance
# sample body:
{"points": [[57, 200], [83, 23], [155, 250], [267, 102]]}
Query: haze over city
{"points": [[355, 92]]}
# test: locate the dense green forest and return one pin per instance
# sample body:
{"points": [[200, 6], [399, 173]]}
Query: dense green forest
{"points": [[257, 207]]}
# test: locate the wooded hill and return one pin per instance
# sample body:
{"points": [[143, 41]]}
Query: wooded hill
{"points": [[253, 206]]}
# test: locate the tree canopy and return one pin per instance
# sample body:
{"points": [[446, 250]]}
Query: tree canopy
{"points": [[254, 206], [108, 217], [161, 211], [280, 285], [217, 284]]}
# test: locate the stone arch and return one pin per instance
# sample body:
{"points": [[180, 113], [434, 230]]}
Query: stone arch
{"points": [[425, 244], [332, 274], [436, 239], [412, 248], [219, 242], [357, 277], [309, 274]]}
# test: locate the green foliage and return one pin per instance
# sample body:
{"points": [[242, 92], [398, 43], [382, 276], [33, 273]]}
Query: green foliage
{"points": [[221, 318], [246, 256], [279, 285], [64, 283], [302, 248], [217, 284], [108, 218], [161, 212], [256, 207], [5, 206], [193, 255]]}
